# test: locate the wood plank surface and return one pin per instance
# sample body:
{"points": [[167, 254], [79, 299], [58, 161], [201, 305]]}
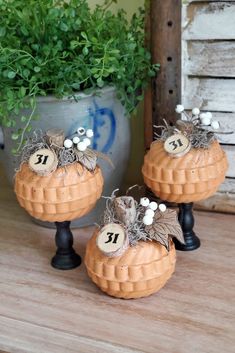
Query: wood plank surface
{"points": [[209, 21], [215, 59], [32, 338], [45, 310]]}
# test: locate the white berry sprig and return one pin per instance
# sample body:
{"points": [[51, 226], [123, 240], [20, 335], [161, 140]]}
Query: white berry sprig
{"points": [[68, 143], [76, 139], [198, 118], [144, 201], [206, 119], [180, 110], [194, 116], [82, 140], [162, 207], [151, 207], [196, 111]]}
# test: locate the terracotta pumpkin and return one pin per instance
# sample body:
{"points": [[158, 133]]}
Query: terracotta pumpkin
{"points": [[65, 194], [142, 270], [192, 177]]}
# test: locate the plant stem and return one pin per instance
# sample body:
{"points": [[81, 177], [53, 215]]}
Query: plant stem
{"points": [[26, 126]]}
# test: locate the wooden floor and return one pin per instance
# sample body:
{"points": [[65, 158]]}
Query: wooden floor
{"points": [[45, 310]]}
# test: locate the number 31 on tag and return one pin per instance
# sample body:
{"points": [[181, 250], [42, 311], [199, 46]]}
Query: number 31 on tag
{"points": [[177, 145], [111, 238], [43, 161]]}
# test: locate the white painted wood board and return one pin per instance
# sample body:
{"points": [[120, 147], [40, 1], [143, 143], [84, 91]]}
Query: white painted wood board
{"points": [[215, 59], [230, 152], [227, 120], [208, 69], [210, 94], [228, 186], [210, 21], [219, 202]]}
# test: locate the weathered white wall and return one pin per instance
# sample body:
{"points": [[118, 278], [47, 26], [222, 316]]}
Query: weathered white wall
{"points": [[208, 33]]}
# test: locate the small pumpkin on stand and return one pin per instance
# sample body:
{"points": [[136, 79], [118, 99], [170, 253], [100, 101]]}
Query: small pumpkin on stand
{"points": [[59, 180], [186, 164], [132, 255]]}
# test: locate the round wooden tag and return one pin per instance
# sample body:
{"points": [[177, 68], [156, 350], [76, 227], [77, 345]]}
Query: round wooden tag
{"points": [[43, 162], [112, 240], [177, 145]]}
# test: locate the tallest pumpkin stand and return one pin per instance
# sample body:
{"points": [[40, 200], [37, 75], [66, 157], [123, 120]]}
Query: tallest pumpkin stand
{"points": [[192, 177], [186, 164]]}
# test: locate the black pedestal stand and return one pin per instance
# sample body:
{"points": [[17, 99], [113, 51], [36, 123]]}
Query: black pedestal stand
{"points": [[186, 221], [65, 258]]}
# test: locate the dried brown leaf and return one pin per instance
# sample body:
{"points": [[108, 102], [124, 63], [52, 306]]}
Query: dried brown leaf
{"points": [[88, 159], [164, 227], [104, 157]]}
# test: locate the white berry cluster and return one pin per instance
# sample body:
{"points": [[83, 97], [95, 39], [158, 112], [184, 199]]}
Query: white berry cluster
{"points": [[82, 140], [151, 207], [204, 118], [179, 108]]}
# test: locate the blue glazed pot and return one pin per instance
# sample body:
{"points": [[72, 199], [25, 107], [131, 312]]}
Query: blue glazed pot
{"points": [[101, 112]]}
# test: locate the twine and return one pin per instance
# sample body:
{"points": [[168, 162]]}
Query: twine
{"points": [[198, 137], [136, 230], [65, 156]]}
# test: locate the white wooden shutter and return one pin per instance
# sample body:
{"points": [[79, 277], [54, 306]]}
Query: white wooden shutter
{"points": [[208, 68]]}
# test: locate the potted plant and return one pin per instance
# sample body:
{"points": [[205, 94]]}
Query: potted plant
{"points": [[64, 65]]}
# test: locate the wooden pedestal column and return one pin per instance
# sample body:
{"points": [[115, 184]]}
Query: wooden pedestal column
{"points": [[165, 43]]}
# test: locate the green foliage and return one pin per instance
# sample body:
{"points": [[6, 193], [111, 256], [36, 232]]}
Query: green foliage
{"points": [[56, 47]]}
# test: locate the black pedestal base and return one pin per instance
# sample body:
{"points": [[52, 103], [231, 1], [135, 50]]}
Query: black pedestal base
{"points": [[66, 257], [66, 262], [192, 242], [186, 221]]}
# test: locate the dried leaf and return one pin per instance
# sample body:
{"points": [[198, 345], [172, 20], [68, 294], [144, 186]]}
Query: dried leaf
{"points": [[164, 227], [104, 157], [88, 159]]}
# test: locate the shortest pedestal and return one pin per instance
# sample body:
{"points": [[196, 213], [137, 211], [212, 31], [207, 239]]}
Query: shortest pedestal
{"points": [[66, 257], [186, 221]]}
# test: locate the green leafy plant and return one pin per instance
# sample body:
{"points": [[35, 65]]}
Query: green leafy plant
{"points": [[57, 47]]}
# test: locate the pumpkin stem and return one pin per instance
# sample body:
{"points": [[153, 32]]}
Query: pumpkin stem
{"points": [[55, 137]]}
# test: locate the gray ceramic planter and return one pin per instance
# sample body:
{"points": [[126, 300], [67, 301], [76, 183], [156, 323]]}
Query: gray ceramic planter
{"points": [[105, 115]]}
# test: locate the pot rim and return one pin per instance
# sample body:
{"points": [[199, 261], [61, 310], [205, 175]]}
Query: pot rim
{"points": [[79, 95]]}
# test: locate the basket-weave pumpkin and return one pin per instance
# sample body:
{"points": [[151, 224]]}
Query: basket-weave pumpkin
{"points": [[142, 270], [192, 177], [65, 194]]}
